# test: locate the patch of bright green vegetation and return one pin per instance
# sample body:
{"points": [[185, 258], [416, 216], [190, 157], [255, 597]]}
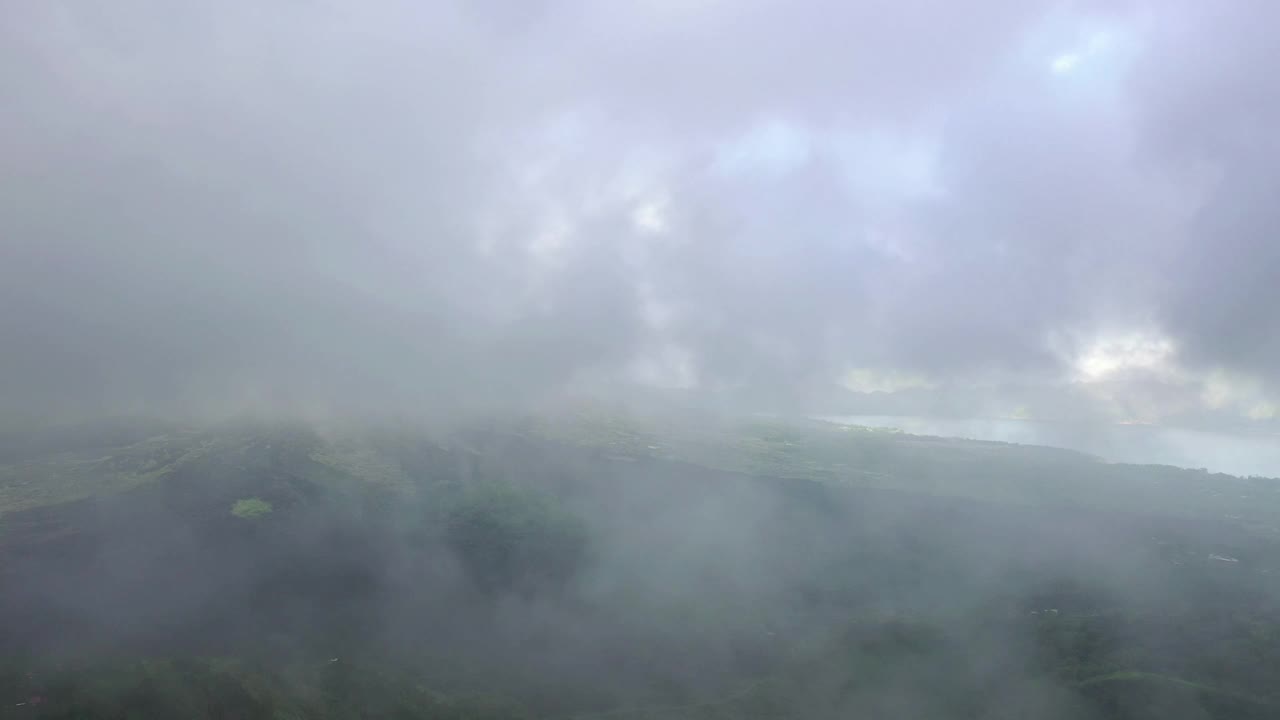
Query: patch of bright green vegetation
{"points": [[251, 508], [365, 464]]}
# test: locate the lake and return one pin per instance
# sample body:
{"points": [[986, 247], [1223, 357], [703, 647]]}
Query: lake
{"points": [[1215, 451]]}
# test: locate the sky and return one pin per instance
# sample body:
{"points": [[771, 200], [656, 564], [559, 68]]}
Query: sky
{"points": [[1007, 207]]}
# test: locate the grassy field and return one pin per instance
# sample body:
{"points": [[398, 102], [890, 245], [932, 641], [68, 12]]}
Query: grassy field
{"points": [[601, 563], [73, 475], [798, 449], [888, 459]]}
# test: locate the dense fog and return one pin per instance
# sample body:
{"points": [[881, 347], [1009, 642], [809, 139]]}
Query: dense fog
{"points": [[538, 360]]}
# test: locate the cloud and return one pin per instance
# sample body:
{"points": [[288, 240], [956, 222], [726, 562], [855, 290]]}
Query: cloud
{"points": [[404, 206]]}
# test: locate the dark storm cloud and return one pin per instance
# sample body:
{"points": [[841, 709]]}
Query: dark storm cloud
{"points": [[324, 205]]}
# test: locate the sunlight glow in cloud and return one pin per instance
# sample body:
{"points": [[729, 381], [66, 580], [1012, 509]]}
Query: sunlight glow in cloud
{"points": [[650, 217], [1109, 357], [1097, 44], [773, 147], [1065, 63]]}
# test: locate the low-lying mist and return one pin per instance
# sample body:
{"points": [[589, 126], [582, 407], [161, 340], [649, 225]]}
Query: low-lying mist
{"points": [[532, 569]]}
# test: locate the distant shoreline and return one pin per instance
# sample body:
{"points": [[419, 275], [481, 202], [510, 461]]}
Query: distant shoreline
{"points": [[1242, 454]]}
